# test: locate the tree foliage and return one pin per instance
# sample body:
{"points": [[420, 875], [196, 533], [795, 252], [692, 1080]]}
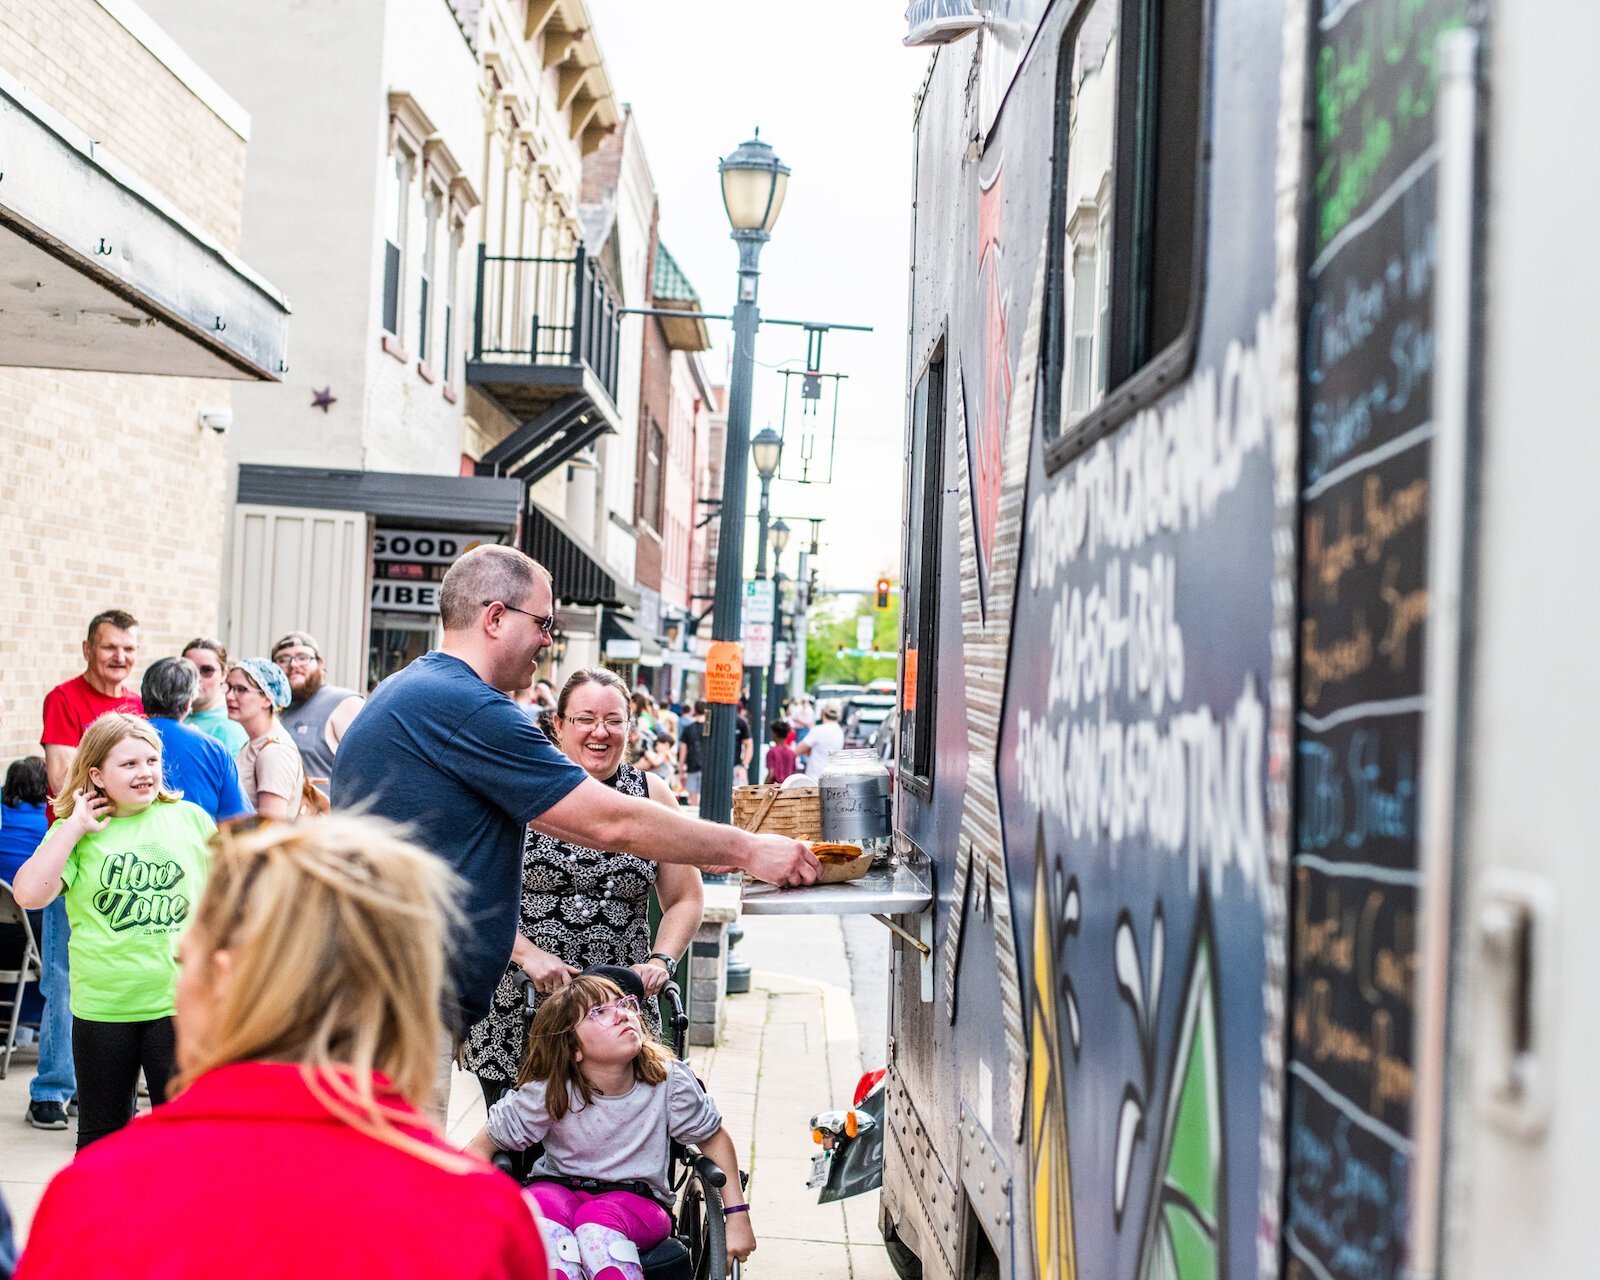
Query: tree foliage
{"points": [[827, 636]]}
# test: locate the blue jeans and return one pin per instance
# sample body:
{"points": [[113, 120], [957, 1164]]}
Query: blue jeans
{"points": [[56, 1081]]}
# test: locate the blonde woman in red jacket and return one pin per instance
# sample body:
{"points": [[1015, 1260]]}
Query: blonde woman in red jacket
{"points": [[308, 1037]]}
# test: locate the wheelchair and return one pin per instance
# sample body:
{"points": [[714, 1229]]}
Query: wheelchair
{"points": [[696, 1248]]}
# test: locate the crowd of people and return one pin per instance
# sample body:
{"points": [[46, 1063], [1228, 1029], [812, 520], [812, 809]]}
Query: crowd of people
{"points": [[180, 862], [197, 727]]}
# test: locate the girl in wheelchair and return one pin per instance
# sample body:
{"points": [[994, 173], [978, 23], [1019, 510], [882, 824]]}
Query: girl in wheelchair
{"points": [[604, 1099]]}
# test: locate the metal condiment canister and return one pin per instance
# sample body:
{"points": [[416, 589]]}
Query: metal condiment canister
{"points": [[855, 796]]}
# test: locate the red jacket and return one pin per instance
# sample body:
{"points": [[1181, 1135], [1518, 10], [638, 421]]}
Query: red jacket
{"points": [[246, 1175]]}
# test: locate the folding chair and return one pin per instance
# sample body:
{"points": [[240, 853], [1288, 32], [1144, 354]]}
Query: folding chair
{"points": [[20, 964]]}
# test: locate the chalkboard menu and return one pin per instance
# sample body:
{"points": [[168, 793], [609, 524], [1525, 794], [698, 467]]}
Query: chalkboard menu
{"points": [[1366, 427]]}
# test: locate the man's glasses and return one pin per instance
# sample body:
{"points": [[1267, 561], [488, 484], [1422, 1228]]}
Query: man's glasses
{"points": [[611, 724], [287, 660], [614, 1012], [546, 623]]}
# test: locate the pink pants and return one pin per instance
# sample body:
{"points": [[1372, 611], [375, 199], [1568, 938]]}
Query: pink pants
{"points": [[639, 1218]]}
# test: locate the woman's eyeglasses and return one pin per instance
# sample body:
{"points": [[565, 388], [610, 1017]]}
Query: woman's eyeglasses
{"points": [[613, 1012], [239, 690], [612, 724]]}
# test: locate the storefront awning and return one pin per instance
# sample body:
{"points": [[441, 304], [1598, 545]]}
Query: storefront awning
{"points": [[98, 271], [629, 637], [417, 501], [579, 576]]}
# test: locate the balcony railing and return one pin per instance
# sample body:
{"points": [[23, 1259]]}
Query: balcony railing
{"points": [[546, 312]]}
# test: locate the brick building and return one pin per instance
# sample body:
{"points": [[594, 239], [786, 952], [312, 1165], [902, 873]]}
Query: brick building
{"points": [[364, 198], [127, 323]]}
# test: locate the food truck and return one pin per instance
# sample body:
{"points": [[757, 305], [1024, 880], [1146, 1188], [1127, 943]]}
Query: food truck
{"points": [[1246, 799]]}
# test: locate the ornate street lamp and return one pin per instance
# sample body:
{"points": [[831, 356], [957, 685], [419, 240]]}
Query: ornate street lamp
{"points": [[766, 452], [754, 183]]}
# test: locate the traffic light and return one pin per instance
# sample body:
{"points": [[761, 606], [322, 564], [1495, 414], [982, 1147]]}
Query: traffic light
{"points": [[883, 593]]}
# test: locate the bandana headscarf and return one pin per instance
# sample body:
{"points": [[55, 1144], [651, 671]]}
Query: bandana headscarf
{"points": [[269, 678]]}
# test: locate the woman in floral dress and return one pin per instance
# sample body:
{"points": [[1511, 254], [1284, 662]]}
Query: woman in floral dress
{"points": [[581, 907]]}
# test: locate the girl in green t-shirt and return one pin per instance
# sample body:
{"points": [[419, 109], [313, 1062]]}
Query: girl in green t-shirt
{"points": [[131, 858]]}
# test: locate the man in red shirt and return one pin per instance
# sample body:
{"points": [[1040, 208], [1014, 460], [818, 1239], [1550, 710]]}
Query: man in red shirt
{"points": [[105, 685]]}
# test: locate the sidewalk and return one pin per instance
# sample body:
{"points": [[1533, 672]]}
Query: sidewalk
{"points": [[789, 1049]]}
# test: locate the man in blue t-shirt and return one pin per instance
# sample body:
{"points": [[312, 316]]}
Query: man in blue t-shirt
{"points": [[191, 761], [441, 747]]}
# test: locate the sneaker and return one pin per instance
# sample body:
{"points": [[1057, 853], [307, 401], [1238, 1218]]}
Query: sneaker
{"points": [[46, 1115], [72, 1106]]}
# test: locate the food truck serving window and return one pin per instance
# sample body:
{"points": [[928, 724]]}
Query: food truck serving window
{"points": [[1123, 245], [919, 597]]}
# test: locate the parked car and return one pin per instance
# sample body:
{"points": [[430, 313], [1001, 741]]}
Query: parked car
{"points": [[884, 685], [840, 693], [862, 715]]}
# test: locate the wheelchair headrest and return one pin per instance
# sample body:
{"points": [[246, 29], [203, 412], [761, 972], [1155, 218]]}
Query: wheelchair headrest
{"points": [[624, 977]]}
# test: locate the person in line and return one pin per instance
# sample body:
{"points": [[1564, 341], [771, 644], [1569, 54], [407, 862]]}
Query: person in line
{"points": [[582, 907], [802, 715], [130, 859], [441, 746], [603, 1098], [105, 685], [210, 714], [744, 748], [820, 744], [691, 745], [318, 713], [22, 813], [780, 755], [270, 769], [22, 825], [193, 765], [109, 652], [294, 1146]]}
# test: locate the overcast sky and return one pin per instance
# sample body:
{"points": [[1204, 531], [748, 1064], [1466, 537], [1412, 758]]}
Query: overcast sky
{"points": [[830, 86]]}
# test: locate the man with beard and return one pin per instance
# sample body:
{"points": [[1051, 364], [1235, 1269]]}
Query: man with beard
{"points": [[318, 712]]}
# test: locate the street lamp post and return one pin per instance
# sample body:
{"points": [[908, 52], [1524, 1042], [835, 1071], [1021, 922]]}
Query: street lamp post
{"points": [[754, 182], [766, 451], [779, 537]]}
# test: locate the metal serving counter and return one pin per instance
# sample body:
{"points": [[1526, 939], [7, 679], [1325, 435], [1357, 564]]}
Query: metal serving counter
{"points": [[886, 891], [905, 890]]}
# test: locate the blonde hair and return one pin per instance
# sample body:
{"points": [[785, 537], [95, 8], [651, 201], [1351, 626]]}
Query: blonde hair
{"points": [[93, 748], [553, 1046], [338, 930]]}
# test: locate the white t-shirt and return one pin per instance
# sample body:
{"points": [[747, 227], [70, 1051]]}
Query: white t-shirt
{"points": [[824, 740]]}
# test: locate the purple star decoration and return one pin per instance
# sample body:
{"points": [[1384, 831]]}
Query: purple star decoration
{"points": [[323, 399]]}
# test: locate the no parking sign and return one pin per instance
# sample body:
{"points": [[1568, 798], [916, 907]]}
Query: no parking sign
{"points": [[724, 671]]}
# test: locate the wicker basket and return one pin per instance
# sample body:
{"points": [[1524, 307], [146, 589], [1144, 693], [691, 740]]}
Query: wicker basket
{"points": [[795, 811]]}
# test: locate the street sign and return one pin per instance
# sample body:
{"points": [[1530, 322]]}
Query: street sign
{"points": [[724, 672], [780, 661], [758, 644], [758, 598], [864, 633]]}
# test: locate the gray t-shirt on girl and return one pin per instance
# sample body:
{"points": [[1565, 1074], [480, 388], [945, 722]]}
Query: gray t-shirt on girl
{"points": [[619, 1138]]}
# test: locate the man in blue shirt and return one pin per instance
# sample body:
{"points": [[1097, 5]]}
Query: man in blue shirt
{"points": [[441, 747], [192, 762]]}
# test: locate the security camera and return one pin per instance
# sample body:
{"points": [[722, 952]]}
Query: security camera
{"points": [[219, 420]]}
